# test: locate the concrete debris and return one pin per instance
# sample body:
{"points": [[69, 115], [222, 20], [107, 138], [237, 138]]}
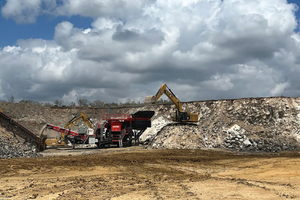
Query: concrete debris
{"points": [[11, 147], [156, 126], [254, 125], [239, 141]]}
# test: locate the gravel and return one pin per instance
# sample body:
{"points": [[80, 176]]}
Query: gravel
{"points": [[12, 147]]}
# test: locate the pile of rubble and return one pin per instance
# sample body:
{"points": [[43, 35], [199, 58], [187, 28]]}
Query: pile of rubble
{"points": [[156, 126], [238, 139], [255, 125], [13, 147], [235, 138]]}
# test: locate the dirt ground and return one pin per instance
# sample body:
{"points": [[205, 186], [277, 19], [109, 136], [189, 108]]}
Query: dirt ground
{"points": [[135, 173]]}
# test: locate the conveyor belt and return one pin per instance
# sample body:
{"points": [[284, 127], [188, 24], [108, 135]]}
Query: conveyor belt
{"points": [[21, 131]]}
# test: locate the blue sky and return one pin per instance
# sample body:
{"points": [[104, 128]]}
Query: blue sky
{"points": [[72, 49], [43, 28], [298, 4]]}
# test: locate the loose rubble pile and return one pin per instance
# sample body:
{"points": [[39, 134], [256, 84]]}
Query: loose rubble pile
{"points": [[255, 125], [156, 126], [237, 139], [10, 147], [177, 137], [234, 138]]}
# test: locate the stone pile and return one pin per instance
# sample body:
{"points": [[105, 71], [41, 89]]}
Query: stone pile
{"points": [[156, 126], [177, 137], [242, 143], [234, 138], [255, 125], [10, 147]]}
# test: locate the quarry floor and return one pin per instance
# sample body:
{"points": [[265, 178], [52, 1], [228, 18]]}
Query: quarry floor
{"points": [[136, 173]]}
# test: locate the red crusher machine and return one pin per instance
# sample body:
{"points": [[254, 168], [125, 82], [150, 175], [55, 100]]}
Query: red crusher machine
{"points": [[121, 129]]}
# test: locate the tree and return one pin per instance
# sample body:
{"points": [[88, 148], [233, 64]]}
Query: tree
{"points": [[48, 104], [72, 104], [83, 102], [98, 103], [11, 99], [113, 104], [58, 102], [29, 101], [128, 101]]}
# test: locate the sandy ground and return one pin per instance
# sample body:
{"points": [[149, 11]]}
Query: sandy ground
{"points": [[135, 173]]}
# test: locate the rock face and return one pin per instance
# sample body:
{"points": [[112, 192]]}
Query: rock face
{"points": [[253, 124]]}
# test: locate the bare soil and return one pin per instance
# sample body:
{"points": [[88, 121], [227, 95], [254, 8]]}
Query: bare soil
{"points": [[136, 173]]}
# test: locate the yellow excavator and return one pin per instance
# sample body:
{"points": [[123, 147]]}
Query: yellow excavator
{"points": [[78, 117], [1, 111], [63, 139], [180, 115]]}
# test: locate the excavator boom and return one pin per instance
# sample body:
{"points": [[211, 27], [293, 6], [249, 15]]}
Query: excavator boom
{"points": [[164, 89], [180, 115], [77, 118], [66, 130]]}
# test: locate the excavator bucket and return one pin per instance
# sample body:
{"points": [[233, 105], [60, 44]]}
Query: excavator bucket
{"points": [[150, 100]]}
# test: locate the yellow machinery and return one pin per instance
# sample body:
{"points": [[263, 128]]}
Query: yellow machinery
{"points": [[1, 111], [77, 118], [63, 140], [180, 115]]}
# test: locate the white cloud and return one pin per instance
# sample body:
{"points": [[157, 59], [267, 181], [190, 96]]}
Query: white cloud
{"points": [[279, 88], [201, 48], [218, 82], [70, 97], [2, 95], [24, 11]]}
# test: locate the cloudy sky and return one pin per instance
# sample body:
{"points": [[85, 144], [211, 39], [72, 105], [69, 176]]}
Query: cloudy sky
{"points": [[117, 49]]}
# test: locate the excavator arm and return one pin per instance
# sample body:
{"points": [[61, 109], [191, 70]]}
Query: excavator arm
{"points": [[66, 130], [164, 89], [180, 115], [77, 118], [73, 121]]}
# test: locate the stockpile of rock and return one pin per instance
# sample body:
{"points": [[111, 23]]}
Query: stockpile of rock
{"points": [[254, 124], [156, 126], [11, 147], [177, 137], [237, 139]]}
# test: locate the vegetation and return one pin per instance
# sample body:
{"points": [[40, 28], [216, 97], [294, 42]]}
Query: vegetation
{"points": [[84, 102]]}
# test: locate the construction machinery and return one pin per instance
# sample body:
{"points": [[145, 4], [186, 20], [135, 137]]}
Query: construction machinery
{"points": [[67, 135], [121, 129], [21, 131], [78, 117], [83, 136], [180, 116], [116, 130]]}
